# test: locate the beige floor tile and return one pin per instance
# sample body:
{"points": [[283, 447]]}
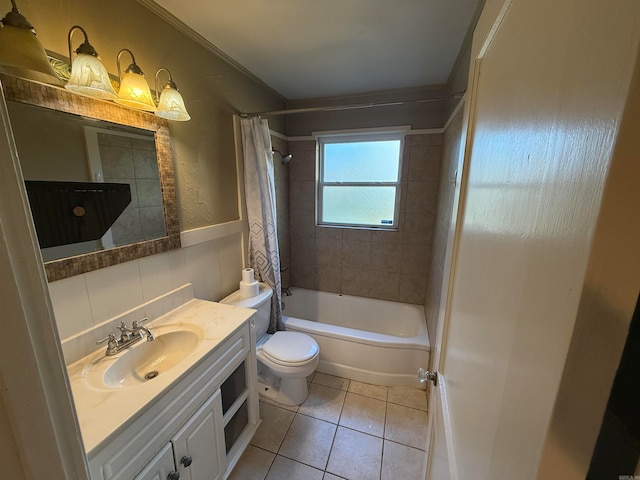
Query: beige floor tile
{"points": [[253, 464], [408, 397], [400, 461], [407, 426], [274, 426], [285, 469], [293, 408], [323, 402], [309, 441], [329, 476], [355, 455], [363, 414], [331, 381], [378, 392]]}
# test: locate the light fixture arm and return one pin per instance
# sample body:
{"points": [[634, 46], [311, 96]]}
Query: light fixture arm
{"points": [[170, 83], [84, 47], [15, 19], [133, 68]]}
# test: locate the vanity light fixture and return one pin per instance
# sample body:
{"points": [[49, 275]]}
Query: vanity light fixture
{"points": [[88, 75], [21, 53], [170, 104], [134, 90]]}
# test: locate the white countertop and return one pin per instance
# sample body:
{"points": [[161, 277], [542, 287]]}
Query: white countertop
{"points": [[102, 411]]}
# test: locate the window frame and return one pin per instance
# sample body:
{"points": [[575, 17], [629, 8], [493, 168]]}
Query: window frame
{"points": [[375, 136]]}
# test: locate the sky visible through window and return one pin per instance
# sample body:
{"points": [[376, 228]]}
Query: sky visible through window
{"points": [[360, 162]]}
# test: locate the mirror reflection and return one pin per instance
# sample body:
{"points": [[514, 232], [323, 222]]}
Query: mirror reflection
{"points": [[61, 147]]}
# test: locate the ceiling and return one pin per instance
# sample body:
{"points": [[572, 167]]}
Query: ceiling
{"points": [[310, 48]]}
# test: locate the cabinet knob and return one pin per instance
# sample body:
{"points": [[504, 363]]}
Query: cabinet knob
{"points": [[186, 460], [173, 476]]}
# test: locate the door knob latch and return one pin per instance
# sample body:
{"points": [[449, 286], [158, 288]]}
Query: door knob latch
{"points": [[426, 376]]}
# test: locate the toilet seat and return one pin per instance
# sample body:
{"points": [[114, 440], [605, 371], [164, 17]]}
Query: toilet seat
{"points": [[290, 349]]}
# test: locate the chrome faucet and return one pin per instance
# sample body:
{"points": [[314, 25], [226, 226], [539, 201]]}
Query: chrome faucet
{"points": [[128, 336], [138, 328]]}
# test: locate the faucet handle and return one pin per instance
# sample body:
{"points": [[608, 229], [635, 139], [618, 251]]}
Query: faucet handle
{"points": [[110, 338], [137, 323], [112, 345]]}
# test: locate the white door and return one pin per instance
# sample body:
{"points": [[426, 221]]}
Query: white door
{"points": [[198, 447], [440, 464], [546, 92]]}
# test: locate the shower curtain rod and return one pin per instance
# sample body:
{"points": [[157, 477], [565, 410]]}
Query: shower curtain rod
{"points": [[349, 107]]}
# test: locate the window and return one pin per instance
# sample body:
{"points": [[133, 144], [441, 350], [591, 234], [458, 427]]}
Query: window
{"points": [[359, 180]]}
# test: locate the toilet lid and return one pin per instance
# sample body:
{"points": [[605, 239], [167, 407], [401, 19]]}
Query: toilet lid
{"points": [[290, 347]]}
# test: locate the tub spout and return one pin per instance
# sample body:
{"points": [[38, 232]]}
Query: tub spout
{"points": [[286, 292]]}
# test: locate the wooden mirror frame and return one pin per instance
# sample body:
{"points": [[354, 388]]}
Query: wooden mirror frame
{"points": [[54, 98]]}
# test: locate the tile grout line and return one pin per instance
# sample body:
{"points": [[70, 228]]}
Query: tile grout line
{"points": [[296, 413], [275, 455], [280, 445], [384, 432], [350, 428], [340, 416], [335, 434], [368, 396]]}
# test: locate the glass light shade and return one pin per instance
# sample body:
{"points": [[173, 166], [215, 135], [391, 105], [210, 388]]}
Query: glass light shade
{"points": [[22, 55], [171, 105], [89, 77], [135, 93]]}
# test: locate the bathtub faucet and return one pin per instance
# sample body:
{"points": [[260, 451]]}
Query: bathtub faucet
{"points": [[286, 291]]}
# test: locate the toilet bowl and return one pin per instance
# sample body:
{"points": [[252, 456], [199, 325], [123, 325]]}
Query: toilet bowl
{"points": [[285, 359]]}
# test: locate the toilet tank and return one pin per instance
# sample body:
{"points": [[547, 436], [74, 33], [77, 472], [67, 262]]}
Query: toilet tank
{"points": [[261, 303]]}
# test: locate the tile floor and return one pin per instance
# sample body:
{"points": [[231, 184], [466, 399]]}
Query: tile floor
{"points": [[344, 430]]}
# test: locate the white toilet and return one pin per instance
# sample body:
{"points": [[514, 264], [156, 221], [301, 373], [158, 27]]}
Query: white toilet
{"points": [[285, 359]]}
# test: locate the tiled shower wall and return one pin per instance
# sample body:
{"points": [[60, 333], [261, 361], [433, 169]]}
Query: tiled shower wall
{"points": [[378, 264], [450, 154], [281, 177]]}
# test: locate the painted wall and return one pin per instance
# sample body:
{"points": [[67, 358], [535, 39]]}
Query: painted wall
{"points": [[10, 453], [612, 284], [377, 264], [544, 119]]}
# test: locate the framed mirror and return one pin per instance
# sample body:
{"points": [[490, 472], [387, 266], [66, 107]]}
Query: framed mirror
{"points": [[67, 139]]}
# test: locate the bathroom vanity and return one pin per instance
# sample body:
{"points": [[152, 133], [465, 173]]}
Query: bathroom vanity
{"points": [[183, 406]]}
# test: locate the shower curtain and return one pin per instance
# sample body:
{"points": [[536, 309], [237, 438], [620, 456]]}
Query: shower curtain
{"points": [[264, 256]]}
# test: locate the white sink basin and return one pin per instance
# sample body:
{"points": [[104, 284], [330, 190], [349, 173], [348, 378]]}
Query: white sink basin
{"points": [[145, 361]]}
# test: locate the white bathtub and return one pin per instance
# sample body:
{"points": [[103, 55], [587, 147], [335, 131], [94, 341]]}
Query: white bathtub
{"points": [[364, 339]]}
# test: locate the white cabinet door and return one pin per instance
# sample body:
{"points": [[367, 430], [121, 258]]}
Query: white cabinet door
{"points": [[198, 447], [160, 466]]}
